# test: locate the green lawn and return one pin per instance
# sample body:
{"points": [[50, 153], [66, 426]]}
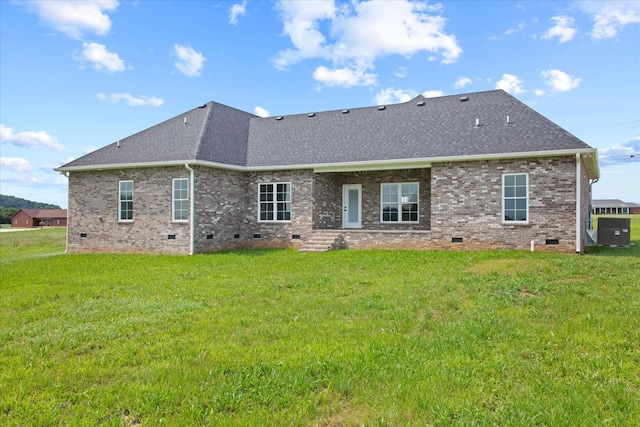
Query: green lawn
{"points": [[278, 337]]}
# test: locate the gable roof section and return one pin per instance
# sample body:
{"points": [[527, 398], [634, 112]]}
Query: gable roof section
{"points": [[433, 129]]}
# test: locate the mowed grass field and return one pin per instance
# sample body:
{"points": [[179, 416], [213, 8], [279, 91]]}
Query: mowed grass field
{"points": [[277, 337]]}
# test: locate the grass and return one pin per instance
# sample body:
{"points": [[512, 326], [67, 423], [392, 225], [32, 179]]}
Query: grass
{"points": [[337, 339]]}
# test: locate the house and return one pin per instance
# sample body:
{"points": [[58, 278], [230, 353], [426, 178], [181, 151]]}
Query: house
{"points": [[613, 206], [33, 218], [481, 170]]}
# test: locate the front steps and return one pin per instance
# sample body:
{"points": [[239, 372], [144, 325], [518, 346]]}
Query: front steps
{"points": [[323, 241]]}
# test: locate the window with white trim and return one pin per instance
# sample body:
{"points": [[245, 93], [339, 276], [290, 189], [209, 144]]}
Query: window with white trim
{"points": [[399, 202], [515, 197], [125, 201], [180, 203], [274, 202]]}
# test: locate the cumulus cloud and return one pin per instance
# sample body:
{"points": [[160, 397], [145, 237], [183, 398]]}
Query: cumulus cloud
{"points": [[432, 93], [237, 10], [559, 81], [189, 62], [462, 82], [134, 101], [75, 18], [15, 164], [261, 112], [29, 139], [354, 35], [510, 83], [621, 153], [610, 17], [100, 58], [564, 29], [344, 76]]}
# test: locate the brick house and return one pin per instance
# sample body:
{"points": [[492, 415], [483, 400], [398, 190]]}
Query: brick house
{"points": [[481, 170], [33, 218]]}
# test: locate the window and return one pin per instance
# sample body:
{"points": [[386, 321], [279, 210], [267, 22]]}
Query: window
{"points": [[515, 197], [275, 202], [180, 210], [399, 202], [125, 205]]}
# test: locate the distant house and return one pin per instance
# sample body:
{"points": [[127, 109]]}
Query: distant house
{"points": [[613, 206], [481, 170], [33, 218]]}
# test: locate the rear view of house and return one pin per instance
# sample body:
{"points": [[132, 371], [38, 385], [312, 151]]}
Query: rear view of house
{"points": [[480, 170]]}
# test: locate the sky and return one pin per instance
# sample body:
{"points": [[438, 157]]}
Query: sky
{"points": [[78, 75]]}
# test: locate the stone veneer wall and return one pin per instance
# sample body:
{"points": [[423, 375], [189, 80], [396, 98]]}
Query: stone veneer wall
{"points": [[327, 193], [466, 203], [93, 224]]}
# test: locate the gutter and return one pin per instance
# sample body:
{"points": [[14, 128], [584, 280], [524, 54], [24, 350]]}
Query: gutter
{"points": [[191, 207]]}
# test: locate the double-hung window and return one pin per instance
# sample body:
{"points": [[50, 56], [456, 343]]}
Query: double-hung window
{"points": [[399, 202], [515, 198], [125, 201], [274, 202], [180, 205]]}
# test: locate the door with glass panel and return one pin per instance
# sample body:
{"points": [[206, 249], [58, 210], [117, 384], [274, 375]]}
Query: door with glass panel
{"points": [[352, 206]]}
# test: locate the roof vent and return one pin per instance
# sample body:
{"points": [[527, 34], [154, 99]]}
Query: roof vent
{"points": [[478, 123], [508, 120], [118, 144], [345, 111], [381, 107], [420, 104], [311, 115], [279, 118], [185, 120], [203, 106], [464, 99]]}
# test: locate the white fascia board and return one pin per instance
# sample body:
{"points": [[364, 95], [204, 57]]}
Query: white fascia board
{"points": [[351, 166]]}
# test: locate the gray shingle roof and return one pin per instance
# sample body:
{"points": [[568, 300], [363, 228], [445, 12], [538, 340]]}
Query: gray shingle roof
{"points": [[433, 128]]}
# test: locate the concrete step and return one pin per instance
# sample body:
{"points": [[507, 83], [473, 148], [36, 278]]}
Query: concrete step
{"points": [[321, 241]]}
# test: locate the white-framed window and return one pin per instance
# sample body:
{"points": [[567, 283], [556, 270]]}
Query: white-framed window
{"points": [[515, 198], [125, 201], [399, 202], [180, 199], [274, 203]]}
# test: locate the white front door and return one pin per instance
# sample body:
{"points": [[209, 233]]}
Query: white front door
{"points": [[351, 206]]}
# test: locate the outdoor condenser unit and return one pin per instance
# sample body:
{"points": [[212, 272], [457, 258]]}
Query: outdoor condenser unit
{"points": [[614, 231]]}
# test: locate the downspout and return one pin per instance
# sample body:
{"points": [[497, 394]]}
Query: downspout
{"points": [[191, 207], [578, 202], [66, 237]]}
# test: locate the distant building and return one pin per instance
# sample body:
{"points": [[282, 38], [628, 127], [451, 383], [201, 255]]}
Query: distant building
{"points": [[34, 218], [614, 206]]}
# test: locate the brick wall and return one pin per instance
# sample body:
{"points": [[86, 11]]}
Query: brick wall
{"points": [[93, 224], [327, 193]]}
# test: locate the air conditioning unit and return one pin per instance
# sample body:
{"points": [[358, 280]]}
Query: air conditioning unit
{"points": [[614, 231]]}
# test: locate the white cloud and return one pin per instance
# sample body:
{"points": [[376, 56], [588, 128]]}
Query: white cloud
{"points": [[344, 77], [462, 82], [394, 96], [610, 17], [75, 18], [189, 61], [261, 112], [354, 35], [29, 139], [133, 101], [432, 93], [237, 10], [621, 153], [510, 83], [564, 29], [559, 81], [521, 26], [15, 164], [100, 57], [400, 73]]}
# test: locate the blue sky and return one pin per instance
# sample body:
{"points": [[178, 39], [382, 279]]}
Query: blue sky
{"points": [[78, 75]]}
